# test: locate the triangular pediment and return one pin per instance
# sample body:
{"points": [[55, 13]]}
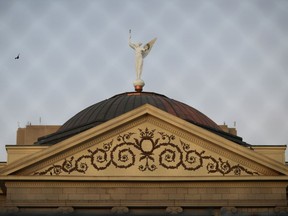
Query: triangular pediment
{"points": [[146, 142]]}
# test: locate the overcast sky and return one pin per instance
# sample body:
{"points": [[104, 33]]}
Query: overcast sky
{"points": [[226, 58]]}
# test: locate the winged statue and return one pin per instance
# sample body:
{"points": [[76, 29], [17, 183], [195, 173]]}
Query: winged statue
{"points": [[140, 53]]}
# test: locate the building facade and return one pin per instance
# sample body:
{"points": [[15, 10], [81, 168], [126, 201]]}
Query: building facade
{"points": [[141, 153]]}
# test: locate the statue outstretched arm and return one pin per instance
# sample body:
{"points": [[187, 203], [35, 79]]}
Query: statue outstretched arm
{"points": [[132, 45]]}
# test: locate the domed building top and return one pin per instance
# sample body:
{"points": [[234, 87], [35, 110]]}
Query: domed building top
{"points": [[122, 103]]}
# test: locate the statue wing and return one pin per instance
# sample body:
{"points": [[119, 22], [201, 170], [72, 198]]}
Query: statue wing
{"points": [[148, 47]]}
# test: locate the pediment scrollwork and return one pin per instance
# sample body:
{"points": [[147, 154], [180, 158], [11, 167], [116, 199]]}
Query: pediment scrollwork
{"points": [[148, 150]]}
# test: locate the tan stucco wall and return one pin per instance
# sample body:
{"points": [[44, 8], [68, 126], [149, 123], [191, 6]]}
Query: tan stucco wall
{"points": [[274, 152], [146, 194], [15, 153], [211, 198], [30, 134]]}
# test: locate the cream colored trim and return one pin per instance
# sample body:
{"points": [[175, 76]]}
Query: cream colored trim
{"points": [[84, 145], [225, 145], [75, 140], [274, 152], [135, 117], [20, 151], [220, 149], [98, 179]]}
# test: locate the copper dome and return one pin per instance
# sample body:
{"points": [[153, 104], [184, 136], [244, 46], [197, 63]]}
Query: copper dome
{"points": [[122, 103]]}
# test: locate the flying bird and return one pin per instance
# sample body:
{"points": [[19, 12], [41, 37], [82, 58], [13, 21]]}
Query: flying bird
{"points": [[18, 56]]}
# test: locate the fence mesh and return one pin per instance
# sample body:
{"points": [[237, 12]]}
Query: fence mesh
{"points": [[226, 58]]}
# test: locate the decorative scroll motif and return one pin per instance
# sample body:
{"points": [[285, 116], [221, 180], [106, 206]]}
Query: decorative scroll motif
{"points": [[149, 151]]}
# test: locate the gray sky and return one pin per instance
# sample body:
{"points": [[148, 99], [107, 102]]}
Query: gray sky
{"points": [[226, 58]]}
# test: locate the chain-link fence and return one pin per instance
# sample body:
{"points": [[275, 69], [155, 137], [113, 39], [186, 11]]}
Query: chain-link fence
{"points": [[226, 58]]}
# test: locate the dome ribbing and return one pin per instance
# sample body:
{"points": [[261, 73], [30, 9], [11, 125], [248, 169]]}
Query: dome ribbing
{"points": [[122, 103]]}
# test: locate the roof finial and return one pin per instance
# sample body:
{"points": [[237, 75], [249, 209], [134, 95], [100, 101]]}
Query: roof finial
{"points": [[138, 85], [140, 54]]}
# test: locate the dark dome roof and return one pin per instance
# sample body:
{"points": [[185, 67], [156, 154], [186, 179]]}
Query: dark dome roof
{"points": [[123, 103]]}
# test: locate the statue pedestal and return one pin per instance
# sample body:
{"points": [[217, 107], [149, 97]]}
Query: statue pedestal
{"points": [[138, 85]]}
